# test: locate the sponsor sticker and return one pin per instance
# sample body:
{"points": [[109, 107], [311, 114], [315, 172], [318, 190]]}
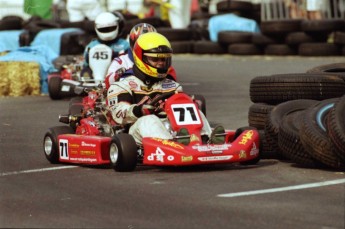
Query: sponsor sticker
{"points": [[215, 158]]}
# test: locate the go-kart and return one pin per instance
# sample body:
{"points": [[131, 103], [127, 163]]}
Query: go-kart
{"points": [[62, 84], [93, 138]]}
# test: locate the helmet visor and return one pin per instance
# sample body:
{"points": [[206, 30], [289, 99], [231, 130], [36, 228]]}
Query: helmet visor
{"points": [[160, 61], [107, 29]]}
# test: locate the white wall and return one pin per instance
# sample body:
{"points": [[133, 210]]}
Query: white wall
{"points": [[12, 7]]}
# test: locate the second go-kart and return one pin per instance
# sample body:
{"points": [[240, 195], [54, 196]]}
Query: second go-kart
{"points": [[62, 84], [93, 138]]}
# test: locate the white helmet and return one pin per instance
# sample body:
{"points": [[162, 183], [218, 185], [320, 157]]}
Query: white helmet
{"points": [[107, 26]]}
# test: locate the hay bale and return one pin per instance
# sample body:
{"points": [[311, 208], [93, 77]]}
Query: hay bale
{"points": [[19, 78]]}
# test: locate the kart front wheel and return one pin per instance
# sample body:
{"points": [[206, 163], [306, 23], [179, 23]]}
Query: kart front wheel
{"points": [[123, 153], [50, 142], [54, 87]]}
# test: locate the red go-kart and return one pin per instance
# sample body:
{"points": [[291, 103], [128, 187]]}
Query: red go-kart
{"points": [[92, 138]]}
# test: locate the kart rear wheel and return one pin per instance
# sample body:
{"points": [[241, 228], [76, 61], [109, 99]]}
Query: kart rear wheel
{"points": [[54, 87], [200, 99], [50, 142], [123, 153]]}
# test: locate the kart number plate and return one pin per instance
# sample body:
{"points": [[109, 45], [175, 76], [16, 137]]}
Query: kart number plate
{"points": [[186, 114]]}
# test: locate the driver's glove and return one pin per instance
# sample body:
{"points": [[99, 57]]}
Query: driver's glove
{"points": [[143, 109]]}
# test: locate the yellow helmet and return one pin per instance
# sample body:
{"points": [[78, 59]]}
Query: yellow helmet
{"points": [[152, 54]]}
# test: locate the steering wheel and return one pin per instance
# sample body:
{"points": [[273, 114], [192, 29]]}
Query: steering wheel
{"points": [[160, 98], [158, 103]]}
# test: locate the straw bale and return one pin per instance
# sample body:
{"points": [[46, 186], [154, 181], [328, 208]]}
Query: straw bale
{"points": [[19, 78]]}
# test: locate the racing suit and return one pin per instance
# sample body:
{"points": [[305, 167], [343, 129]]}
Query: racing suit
{"points": [[125, 96], [118, 46]]}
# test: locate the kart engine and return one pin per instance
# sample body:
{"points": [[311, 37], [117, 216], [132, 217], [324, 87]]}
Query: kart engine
{"points": [[94, 118]]}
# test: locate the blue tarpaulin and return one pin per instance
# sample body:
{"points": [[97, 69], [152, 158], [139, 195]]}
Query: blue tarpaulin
{"points": [[230, 22], [9, 40], [52, 38]]}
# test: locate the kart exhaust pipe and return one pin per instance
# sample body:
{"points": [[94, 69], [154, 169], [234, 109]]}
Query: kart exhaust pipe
{"points": [[64, 119], [67, 119]]}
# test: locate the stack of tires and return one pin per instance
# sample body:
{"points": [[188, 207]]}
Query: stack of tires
{"points": [[301, 116]]}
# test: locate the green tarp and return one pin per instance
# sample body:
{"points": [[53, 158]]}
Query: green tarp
{"points": [[41, 8]]}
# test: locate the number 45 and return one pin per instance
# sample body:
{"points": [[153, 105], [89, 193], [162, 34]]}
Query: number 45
{"points": [[100, 55]]}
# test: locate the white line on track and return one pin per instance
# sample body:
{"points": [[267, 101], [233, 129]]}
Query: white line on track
{"points": [[283, 189], [36, 170]]}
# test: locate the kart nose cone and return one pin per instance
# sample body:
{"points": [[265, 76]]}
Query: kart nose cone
{"points": [[114, 153]]}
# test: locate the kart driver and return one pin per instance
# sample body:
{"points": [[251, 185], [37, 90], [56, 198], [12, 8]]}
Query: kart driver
{"points": [[121, 66], [129, 98], [109, 28]]}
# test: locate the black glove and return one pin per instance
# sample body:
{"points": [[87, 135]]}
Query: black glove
{"points": [[143, 109]]}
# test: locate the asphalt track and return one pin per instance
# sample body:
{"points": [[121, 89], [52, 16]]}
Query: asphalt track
{"points": [[271, 194]]}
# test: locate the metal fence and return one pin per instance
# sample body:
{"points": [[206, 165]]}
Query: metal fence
{"points": [[297, 9]]}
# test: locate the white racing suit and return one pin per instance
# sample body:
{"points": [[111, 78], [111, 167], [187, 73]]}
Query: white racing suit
{"points": [[117, 67], [123, 98]]}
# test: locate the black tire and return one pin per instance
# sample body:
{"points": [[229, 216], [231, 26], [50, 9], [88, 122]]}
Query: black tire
{"points": [[50, 143], [296, 38], [233, 37], [324, 26], [182, 46], [276, 115], [280, 50], [319, 49], [336, 128], [175, 34], [334, 68], [279, 88], [208, 47], [54, 88], [279, 27], [314, 137], [266, 149], [201, 101], [258, 114], [123, 153], [289, 141], [244, 49]]}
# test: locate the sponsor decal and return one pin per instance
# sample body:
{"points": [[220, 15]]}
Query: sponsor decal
{"points": [[168, 85], [186, 159], [121, 114], [65, 88], [215, 158], [84, 159], [245, 138], [158, 155], [242, 154], [88, 144], [169, 143], [254, 151], [73, 145], [133, 84], [73, 151], [211, 148], [194, 138], [112, 101], [88, 152]]}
